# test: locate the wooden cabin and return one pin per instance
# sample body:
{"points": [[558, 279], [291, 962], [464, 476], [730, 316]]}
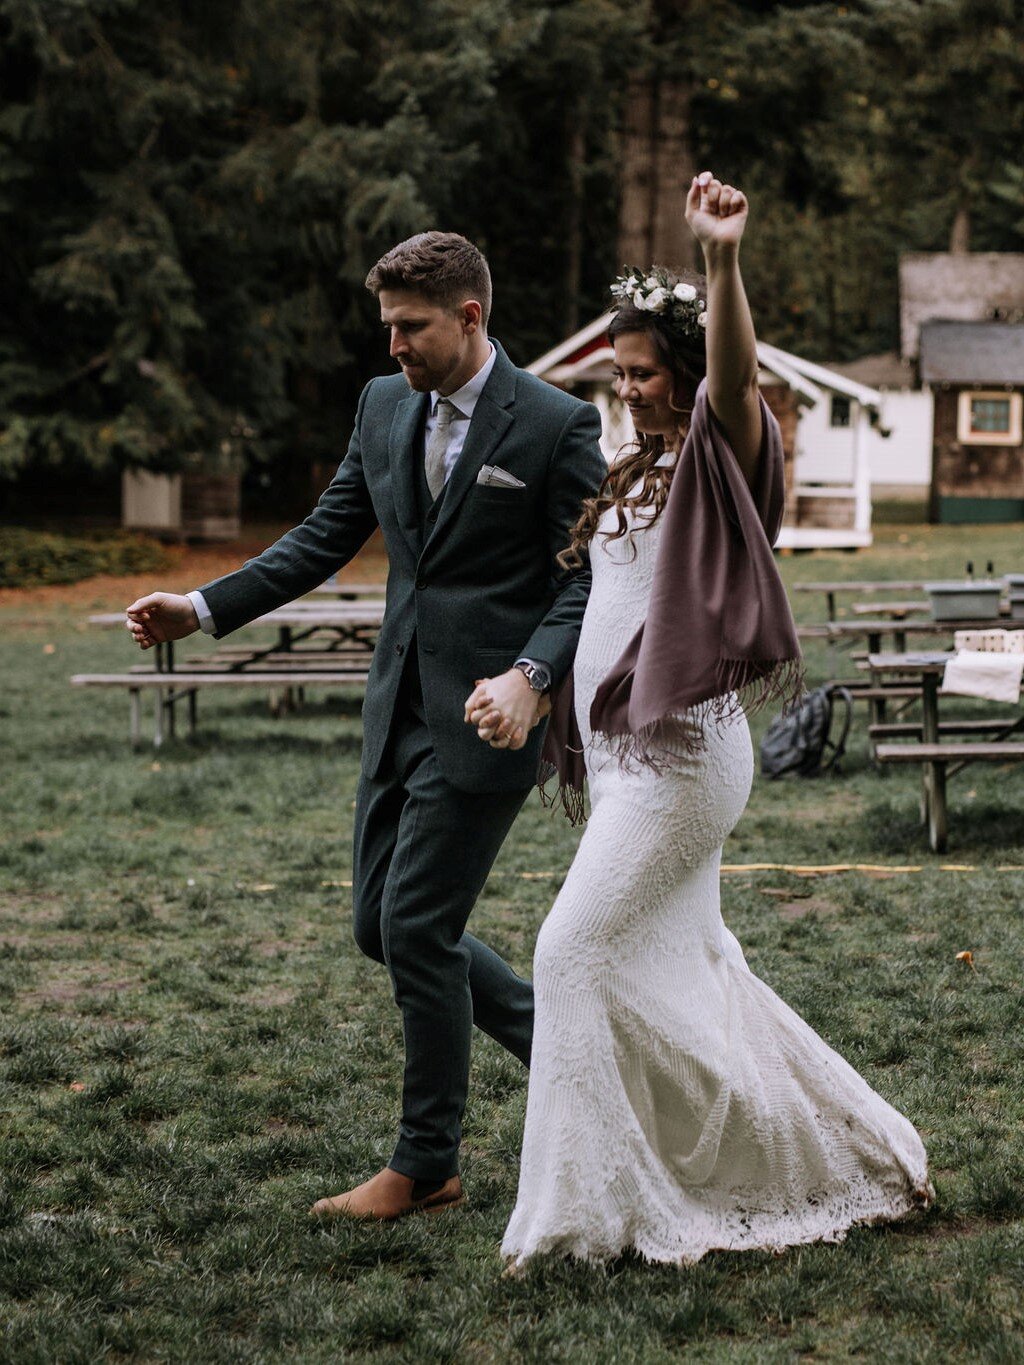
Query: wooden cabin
{"points": [[975, 371]]}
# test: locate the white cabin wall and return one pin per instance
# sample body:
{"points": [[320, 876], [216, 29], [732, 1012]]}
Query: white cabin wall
{"points": [[824, 454]]}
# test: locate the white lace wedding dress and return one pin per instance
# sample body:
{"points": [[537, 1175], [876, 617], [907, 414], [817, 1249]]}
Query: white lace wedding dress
{"points": [[676, 1104]]}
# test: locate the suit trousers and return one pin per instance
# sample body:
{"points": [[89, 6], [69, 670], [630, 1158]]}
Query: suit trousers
{"points": [[423, 850]]}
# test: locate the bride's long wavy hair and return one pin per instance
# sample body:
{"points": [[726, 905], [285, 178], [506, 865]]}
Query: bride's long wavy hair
{"points": [[637, 462]]}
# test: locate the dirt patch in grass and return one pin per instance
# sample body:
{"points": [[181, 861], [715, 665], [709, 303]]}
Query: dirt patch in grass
{"points": [[65, 939], [39, 906], [271, 996], [67, 991], [188, 565], [807, 905]]}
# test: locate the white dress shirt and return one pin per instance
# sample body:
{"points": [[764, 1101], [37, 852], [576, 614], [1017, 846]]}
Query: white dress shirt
{"points": [[464, 401]]}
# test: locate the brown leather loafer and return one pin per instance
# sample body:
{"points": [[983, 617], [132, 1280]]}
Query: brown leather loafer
{"points": [[389, 1195]]}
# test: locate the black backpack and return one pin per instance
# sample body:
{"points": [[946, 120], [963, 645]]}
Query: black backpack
{"points": [[796, 741]]}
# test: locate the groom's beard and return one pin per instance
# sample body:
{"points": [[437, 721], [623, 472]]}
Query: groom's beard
{"points": [[423, 377]]}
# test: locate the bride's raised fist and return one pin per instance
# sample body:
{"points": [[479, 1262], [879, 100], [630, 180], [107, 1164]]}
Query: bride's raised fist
{"points": [[716, 213]]}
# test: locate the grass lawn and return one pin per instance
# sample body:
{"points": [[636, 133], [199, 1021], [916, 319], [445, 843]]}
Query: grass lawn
{"points": [[192, 1049]]}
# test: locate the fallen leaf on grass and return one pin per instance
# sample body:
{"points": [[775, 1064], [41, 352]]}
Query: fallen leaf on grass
{"points": [[77, 1087], [49, 649], [154, 767], [967, 958]]}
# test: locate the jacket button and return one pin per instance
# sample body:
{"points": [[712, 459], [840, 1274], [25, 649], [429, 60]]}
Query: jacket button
{"points": [[399, 649]]}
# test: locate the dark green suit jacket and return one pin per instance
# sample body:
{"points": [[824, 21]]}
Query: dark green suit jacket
{"points": [[472, 588]]}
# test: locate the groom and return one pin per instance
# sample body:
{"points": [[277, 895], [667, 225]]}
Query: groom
{"points": [[474, 471]]}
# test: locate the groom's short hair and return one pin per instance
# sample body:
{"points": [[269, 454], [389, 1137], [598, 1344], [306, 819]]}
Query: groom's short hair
{"points": [[442, 266]]}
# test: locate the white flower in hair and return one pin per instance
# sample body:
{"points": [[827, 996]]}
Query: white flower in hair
{"points": [[675, 302]]}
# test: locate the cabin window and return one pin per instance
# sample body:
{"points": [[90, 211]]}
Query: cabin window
{"points": [[989, 419], [839, 416]]}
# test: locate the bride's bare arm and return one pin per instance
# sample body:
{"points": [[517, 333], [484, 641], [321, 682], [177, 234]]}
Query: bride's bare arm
{"points": [[717, 215]]}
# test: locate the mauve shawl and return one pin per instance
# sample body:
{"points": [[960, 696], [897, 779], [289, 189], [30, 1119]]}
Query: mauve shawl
{"points": [[719, 632]]}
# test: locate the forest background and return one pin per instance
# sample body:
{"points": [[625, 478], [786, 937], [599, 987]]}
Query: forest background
{"points": [[192, 193]]}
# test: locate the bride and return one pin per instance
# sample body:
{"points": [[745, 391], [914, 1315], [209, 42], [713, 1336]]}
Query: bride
{"points": [[676, 1104]]}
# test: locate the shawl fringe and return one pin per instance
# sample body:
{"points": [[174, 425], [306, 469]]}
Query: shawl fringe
{"points": [[570, 797], [655, 746]]}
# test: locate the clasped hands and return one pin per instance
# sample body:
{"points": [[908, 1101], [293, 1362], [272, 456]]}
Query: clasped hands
{"points": [[505, 709]]}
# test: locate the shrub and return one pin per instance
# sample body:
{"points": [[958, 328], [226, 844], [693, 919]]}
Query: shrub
{"points": [[30, 558]]}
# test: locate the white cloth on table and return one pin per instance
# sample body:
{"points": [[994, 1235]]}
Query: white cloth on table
{"points": [[977, 673]]}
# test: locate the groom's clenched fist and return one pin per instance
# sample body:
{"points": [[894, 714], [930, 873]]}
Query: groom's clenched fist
{"points": [[504, 709], [160, 617]]}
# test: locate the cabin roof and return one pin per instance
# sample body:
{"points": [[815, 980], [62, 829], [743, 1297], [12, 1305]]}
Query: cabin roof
{"points": [[970, 286], [587, 355], [886, 370], [972, 353]]}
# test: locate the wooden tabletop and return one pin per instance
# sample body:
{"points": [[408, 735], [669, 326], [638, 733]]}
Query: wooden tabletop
{"points": [[850, 585], [323, 614], [333, 589], [302, 613], [864, 626], [924, 662]]}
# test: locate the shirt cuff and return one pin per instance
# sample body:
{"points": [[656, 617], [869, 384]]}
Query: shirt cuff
{"points": [[206, 622], [543, 670]]}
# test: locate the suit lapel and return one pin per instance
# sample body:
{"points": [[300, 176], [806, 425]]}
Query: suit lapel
{"points": [[492, 418], [403, 441]]}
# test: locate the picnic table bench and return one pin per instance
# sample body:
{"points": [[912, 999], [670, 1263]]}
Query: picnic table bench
{"points": [[180, 685], [939, 758]]}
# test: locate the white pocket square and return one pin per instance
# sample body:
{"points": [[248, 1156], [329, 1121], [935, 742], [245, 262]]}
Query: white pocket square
{"points": [[495, 477]]}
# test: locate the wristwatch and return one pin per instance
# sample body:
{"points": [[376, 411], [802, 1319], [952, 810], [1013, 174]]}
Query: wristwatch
{"points": [[535, 674]]}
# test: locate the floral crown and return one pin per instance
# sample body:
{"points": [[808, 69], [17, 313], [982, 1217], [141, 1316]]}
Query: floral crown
{"points": [[676, 303]]}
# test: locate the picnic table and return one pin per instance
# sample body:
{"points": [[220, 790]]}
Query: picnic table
{"points": [[352, 624], [900, 629], [281, 667], [931, 748], [830, 589]]}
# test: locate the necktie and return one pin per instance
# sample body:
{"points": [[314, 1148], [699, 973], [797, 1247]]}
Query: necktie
{"points": [[437, 446]]}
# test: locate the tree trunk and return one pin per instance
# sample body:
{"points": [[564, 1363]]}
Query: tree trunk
{"points": [[637, 172], [673, 244], [656, 168], [960, 232], [575, 158]]}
